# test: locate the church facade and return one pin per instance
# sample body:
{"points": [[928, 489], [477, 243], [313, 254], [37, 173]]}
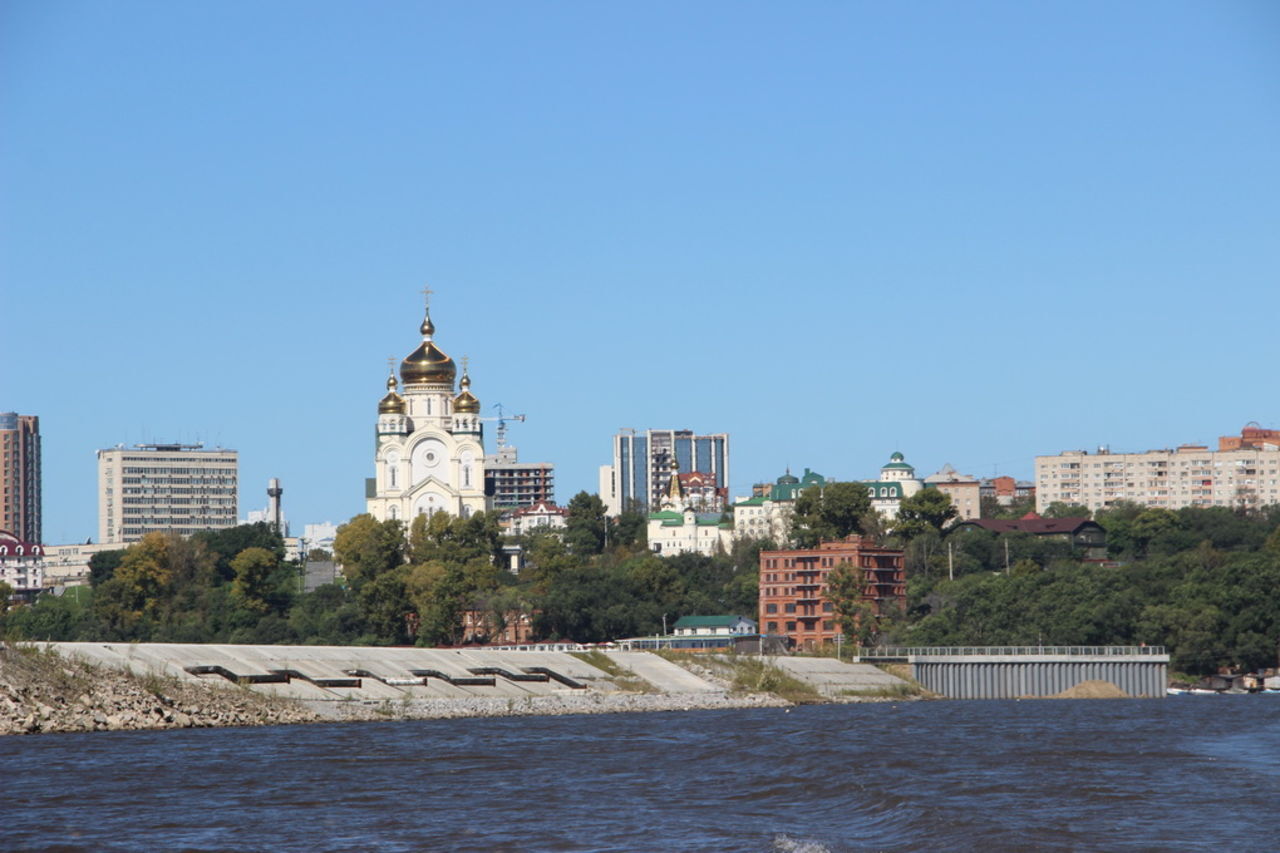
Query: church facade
{"points": [[430, 439]]}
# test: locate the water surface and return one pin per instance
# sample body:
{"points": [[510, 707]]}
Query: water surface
{"points": [[1172, 774]]}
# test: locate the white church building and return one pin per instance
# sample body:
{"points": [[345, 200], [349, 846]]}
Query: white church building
{"points": [[430, 445]]}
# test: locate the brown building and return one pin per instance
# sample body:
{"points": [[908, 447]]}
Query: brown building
{"points": [[1250, 438], [478, 626], [20, 476], [793, 583], [1084, 534], [1006, 489]]}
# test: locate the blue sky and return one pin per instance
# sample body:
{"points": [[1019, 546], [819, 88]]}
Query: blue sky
{"points": [[972, 232]]}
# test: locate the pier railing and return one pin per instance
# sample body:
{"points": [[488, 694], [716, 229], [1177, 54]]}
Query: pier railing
{"points": [[905, 652]]}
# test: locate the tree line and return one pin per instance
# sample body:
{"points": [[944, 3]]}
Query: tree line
{"points": [[594, 581]]}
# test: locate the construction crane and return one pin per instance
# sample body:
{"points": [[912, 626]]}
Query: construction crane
{"points": [[502, 425]]}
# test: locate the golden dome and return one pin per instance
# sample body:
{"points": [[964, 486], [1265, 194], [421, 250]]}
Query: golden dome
{"points": [[466, 402], [393, 403], [427, 365]]}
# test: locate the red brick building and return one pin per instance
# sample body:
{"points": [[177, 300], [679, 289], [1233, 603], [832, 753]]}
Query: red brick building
{"points": [[1250, 438], [478, 627], [793, 583]]}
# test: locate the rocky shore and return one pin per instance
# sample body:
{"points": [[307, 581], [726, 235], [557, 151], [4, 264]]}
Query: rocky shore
{"points": [[40, 691]]}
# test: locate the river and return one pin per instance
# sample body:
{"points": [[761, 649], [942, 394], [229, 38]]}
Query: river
{"points": [[1168, 774]]}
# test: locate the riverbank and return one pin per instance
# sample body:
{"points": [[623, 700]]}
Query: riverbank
{"points": [[42, 691]]}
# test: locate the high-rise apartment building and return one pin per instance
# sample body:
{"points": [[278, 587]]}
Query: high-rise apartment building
{"points": [[642, 467], [1245, 476], [179, 488], [20, 476], [510, 483]]}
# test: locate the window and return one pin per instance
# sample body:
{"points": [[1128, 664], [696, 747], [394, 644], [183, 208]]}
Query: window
{"points": [[771, 608], [772, 627], [790, 608], [791, 626]]}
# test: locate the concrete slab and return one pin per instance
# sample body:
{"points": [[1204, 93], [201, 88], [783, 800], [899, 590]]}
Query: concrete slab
{"points": [[831, 677], [662, 674]]}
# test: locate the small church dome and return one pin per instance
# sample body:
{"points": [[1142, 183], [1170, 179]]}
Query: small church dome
{"points": [[393, 403], [466, 402]]}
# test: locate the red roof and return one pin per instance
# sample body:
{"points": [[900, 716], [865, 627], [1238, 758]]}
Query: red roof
{"points": [[12, 546], [1030, 523]]}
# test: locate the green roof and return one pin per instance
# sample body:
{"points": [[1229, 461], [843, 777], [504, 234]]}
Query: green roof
{"points": [[757, 501], [666, 515], [676, 519], [895, 489], [707, 621]]}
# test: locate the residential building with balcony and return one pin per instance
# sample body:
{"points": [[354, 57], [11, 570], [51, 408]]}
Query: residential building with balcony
{"points": [[965, 491], [20, 476], [793, 585], [176, 488], [1246, 477], [21, 567], [509, 483]]}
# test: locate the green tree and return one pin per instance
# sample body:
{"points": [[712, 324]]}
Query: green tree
{"points": [[832, 511], [630, 529], [225, 544], [103, 565], [253, 568], [927, 509], [453, 539], [585, 525], [1062, 509], [385, 607], [367, 548], [855, 615]]}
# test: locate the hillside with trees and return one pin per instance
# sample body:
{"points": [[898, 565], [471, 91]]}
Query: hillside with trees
{"points": [[1203, 582]]}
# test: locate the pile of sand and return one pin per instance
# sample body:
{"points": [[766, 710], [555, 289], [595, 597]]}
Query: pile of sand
{"points": [[1094, 689]]}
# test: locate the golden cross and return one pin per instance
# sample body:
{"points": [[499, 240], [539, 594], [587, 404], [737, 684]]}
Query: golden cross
{"points": [[426, 296], [391, 363], [466, 360]]}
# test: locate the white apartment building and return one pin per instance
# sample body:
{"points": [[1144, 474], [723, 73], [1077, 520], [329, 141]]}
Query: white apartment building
{"points": [[178, 488], [1190, 475]]}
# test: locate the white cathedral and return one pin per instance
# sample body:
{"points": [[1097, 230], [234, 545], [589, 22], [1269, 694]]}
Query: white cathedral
{"points": [[430, 450]]}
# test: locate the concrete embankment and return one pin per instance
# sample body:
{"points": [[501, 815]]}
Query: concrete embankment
{"points": [[111, 686]]}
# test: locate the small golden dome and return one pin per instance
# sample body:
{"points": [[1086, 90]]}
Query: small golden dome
{"points": [[393, 403], [427, 365], [466, 402]]}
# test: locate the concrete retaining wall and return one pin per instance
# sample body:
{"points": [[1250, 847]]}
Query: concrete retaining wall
{"points": [[1001, 677]]}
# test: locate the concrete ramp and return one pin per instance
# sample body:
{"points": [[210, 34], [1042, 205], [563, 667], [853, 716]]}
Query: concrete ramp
{"points": [[835, 678], [661, 673]]}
